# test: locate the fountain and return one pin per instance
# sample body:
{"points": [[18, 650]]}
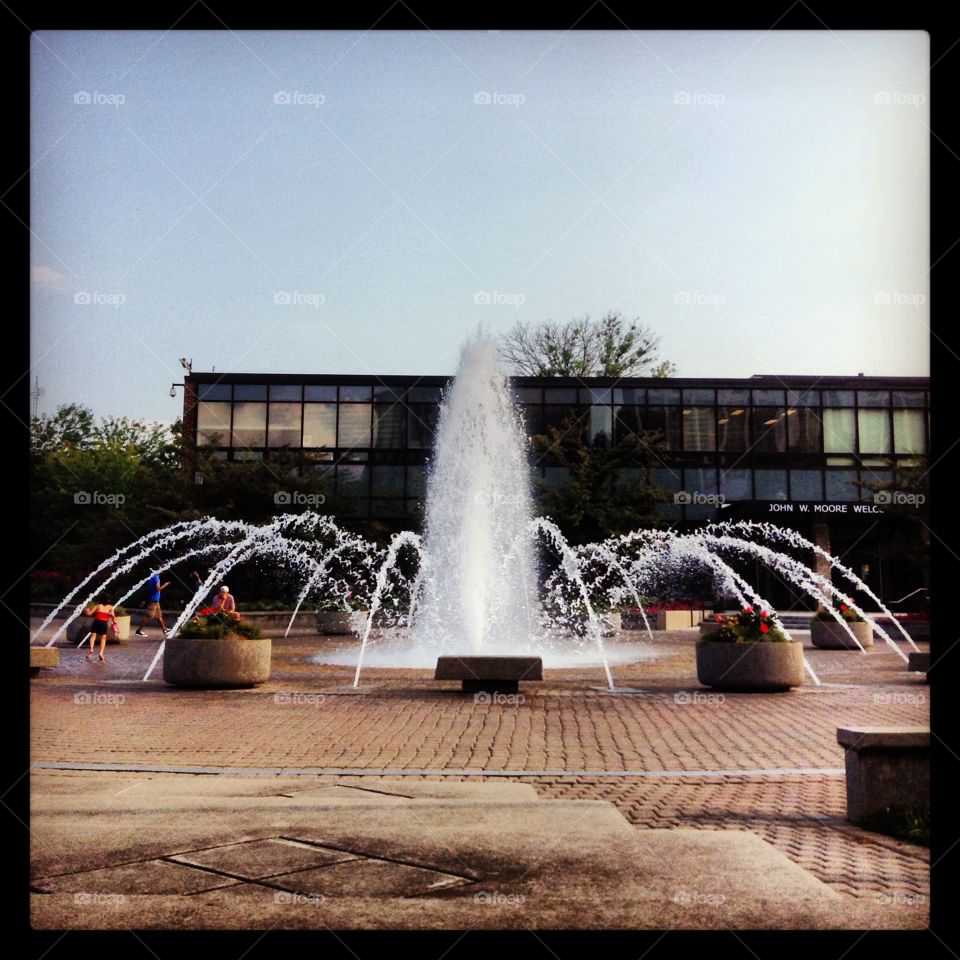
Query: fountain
{"points": [[482, 586]]}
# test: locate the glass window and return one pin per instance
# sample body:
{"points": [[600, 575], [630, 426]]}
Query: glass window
{"points": [[628, 395], [666, 478], [213, 391], [838, 398], [769, 429], [839, 431], [353, 480], [596, 395], [354, 430], [701, 480], [532, 416], [247, 454], [528, 394], [424, 394], [905, 398], [732, 432], [770, 484], [250, 391], [736, 398], [416, 481], [667, 421], [878, 480], [874, 431], [389, 425], [768, 398], [319, 392], [563, 418], [736, 484], [319, 424], [842, 485], [908, 432], [388, 394], [601, 424], [841, 461], [250, 424], [873, 398], [284, 425], [663, 395], [285, 391], [626, 421], [387, 481], [804, 429], [555, 477], [803, 398], [393, 507], [560, 395], [699, 428], [422, 424], [356, 394], [698, 398], [806, 485], [213, 424]]}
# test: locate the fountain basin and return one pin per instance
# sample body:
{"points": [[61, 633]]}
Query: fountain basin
{"points": [[760, 666], [216, 662], [490, 674], [830, 635]]}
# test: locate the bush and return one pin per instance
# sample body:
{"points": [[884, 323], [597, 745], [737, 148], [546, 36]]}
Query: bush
{"points": [[748, 626], [216, 625], [846, 611]]}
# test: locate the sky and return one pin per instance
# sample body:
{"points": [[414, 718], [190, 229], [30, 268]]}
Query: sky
{"points": [[359, 202]]}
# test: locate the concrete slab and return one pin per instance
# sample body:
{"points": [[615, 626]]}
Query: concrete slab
{"points": [[151, 876], [259, 859]]}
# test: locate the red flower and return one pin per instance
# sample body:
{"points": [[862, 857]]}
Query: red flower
{"points": [[748, 609], [764, 628], [763, 614], [843, 608]]}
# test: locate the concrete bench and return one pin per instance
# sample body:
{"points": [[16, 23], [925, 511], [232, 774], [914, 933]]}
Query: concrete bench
{"points": [[43, 658], [490, 674], [888, 768], [918, 661]]}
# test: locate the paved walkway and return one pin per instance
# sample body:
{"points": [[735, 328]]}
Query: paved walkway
{"points": [[670, 754]]}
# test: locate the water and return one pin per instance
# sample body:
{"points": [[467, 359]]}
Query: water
{"points": [[488, 577]]}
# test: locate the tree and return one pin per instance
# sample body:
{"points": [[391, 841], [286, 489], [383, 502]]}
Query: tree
{"points": [[609, 490], [608, 347]]}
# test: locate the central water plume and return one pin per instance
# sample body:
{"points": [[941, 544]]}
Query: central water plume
{"points": [[479, 583]]}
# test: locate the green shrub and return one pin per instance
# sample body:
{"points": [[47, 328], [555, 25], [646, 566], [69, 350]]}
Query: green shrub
{"points": [[846, 611], [215, 626], [747, 626]]}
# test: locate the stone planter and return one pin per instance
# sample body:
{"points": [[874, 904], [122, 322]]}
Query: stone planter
{"points": [[229, 661], [340, 621], [122, 633], [830, 635], [760, 666]]}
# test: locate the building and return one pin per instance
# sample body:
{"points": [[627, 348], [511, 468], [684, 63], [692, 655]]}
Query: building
{"points": [[796, 451]]}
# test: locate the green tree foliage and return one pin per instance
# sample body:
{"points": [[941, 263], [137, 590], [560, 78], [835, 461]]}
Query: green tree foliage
{"points": [[611, 346]]}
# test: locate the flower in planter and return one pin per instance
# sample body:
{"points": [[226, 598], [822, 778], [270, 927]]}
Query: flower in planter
{"points": [[846, 611], [747, 626], [214, 625]]}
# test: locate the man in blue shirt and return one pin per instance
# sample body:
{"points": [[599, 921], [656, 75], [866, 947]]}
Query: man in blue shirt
{"points": [[153, 605]]}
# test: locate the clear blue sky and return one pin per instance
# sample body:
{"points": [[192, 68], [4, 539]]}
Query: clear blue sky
{"points": [[761, 199]]}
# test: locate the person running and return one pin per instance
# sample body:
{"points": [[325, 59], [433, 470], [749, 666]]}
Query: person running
{"points": [[153, 612], [103, 616], [226, 604]]}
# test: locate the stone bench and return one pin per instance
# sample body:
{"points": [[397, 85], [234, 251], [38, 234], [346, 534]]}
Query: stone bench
{"points": [[43, 658], [490, 674], [888, 768], [918, 661]]}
